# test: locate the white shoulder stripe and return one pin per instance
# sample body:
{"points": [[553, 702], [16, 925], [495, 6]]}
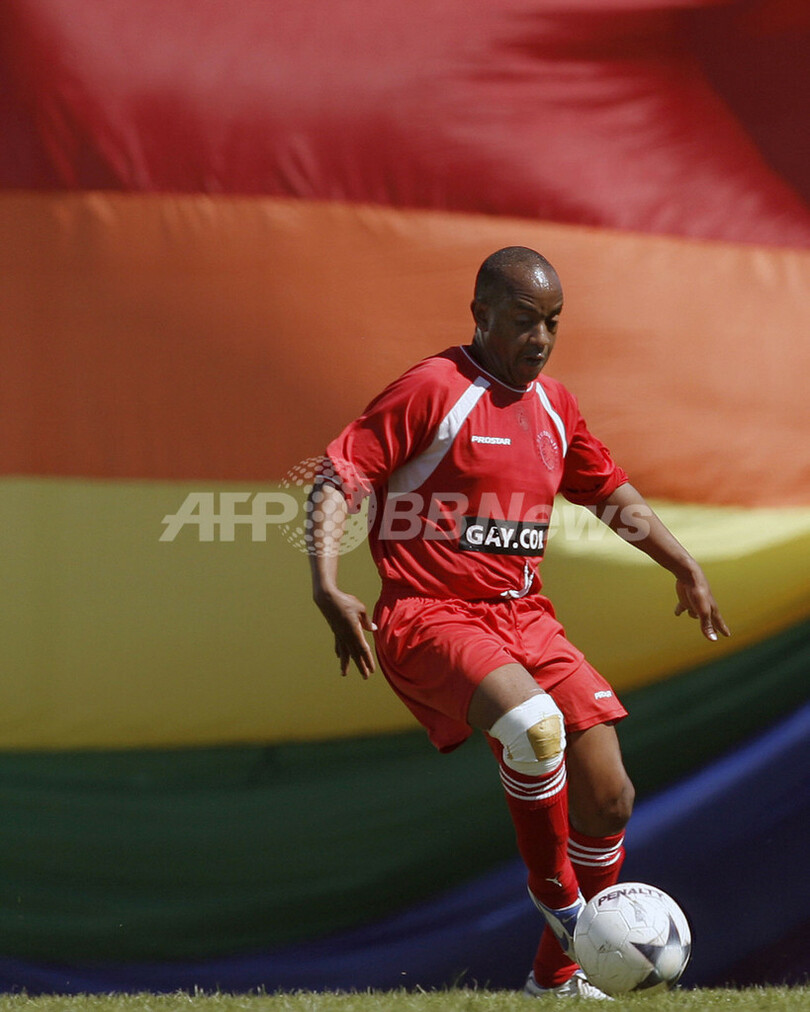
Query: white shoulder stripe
{"points": [[558, 422], [417, 470]]}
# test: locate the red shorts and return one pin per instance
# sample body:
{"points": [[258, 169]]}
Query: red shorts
{"points": [[436, 652]]}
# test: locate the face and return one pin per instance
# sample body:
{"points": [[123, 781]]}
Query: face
{"points": [[516, 331]]}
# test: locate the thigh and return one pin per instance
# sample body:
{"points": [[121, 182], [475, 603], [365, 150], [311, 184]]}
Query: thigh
{"points": [[501, 690], [436, 653]]}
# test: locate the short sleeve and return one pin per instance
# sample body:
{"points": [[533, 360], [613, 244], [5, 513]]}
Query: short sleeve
{"points": [[590, 473], [399, 423]]}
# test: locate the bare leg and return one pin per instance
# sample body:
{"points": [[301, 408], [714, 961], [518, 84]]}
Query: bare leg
{"points": [[600, 794]]}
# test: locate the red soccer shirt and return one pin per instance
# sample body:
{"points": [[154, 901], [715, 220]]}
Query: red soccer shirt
{"points": [[463, 470]]}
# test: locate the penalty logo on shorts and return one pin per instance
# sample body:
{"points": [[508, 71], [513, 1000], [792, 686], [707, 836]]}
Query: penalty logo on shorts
{"points": [[502, 537]]}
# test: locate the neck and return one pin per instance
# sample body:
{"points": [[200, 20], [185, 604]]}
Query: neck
{"points": [[479, 356], [479, 353]]}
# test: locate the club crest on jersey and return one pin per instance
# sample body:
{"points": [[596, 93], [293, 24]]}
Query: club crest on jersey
{"points": [[502, 537], [549, 450]]}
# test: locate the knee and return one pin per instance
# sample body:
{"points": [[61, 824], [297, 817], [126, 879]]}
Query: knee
{"points": [[617, 808], [608, 812], [532, 735]]}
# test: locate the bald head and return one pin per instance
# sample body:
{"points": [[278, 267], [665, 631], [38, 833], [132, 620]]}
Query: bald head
{"points": [[502, 270], [517, 306]]}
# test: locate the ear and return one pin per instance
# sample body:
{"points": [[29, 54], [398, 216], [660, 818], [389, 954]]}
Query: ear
{"points": [[480, 312]]}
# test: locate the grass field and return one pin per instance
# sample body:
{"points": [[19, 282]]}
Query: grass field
{"points": [[772, 999]]}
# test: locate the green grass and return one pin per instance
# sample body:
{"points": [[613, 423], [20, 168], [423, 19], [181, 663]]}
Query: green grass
{"points": [[770, 999]]}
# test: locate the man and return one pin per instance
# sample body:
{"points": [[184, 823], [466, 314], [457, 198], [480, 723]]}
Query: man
{"points": [[464, 454]]}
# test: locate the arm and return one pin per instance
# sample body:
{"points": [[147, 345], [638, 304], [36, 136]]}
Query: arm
{"points": [[397, 425], [627, 513], [346, 615]]}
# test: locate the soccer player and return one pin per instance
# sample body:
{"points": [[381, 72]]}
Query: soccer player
{"points": [[463, 456]]}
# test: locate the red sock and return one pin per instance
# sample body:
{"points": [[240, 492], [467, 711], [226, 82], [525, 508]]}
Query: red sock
{"points": [[597, 862], [539, 810]]}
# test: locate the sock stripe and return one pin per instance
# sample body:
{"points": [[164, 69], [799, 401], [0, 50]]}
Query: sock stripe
{"points": [[596, 850], [536, 789], [595, 857]]}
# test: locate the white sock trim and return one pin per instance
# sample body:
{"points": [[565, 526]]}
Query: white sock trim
{"points": [[539, 790]]}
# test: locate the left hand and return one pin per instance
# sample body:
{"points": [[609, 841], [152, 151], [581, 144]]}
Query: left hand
{"points": [[695, 598]]}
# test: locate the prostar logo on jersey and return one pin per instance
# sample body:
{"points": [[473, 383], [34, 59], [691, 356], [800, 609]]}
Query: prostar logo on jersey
{"points": [[492, 440], [502, 537]]}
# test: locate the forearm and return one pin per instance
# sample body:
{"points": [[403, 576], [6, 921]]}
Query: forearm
{"points": [[631, 517], [325, 524], [628, 514], [346, 615]]}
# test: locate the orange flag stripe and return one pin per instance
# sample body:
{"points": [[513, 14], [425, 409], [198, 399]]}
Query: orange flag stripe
{"points": [[186, 337]]}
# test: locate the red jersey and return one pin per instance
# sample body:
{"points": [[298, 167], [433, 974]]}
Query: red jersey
{"points": [[463, 470]]}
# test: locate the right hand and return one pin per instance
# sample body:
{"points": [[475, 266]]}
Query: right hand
{"points": [[348, 618]]}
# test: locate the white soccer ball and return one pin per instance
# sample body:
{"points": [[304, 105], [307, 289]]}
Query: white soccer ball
{"points": [[632, 937]]}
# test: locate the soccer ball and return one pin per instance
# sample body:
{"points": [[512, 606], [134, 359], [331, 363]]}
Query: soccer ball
{"points": [[632, 937]]}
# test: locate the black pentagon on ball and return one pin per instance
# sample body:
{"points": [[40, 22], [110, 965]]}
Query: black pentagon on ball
{"points": [[652, 953]]}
